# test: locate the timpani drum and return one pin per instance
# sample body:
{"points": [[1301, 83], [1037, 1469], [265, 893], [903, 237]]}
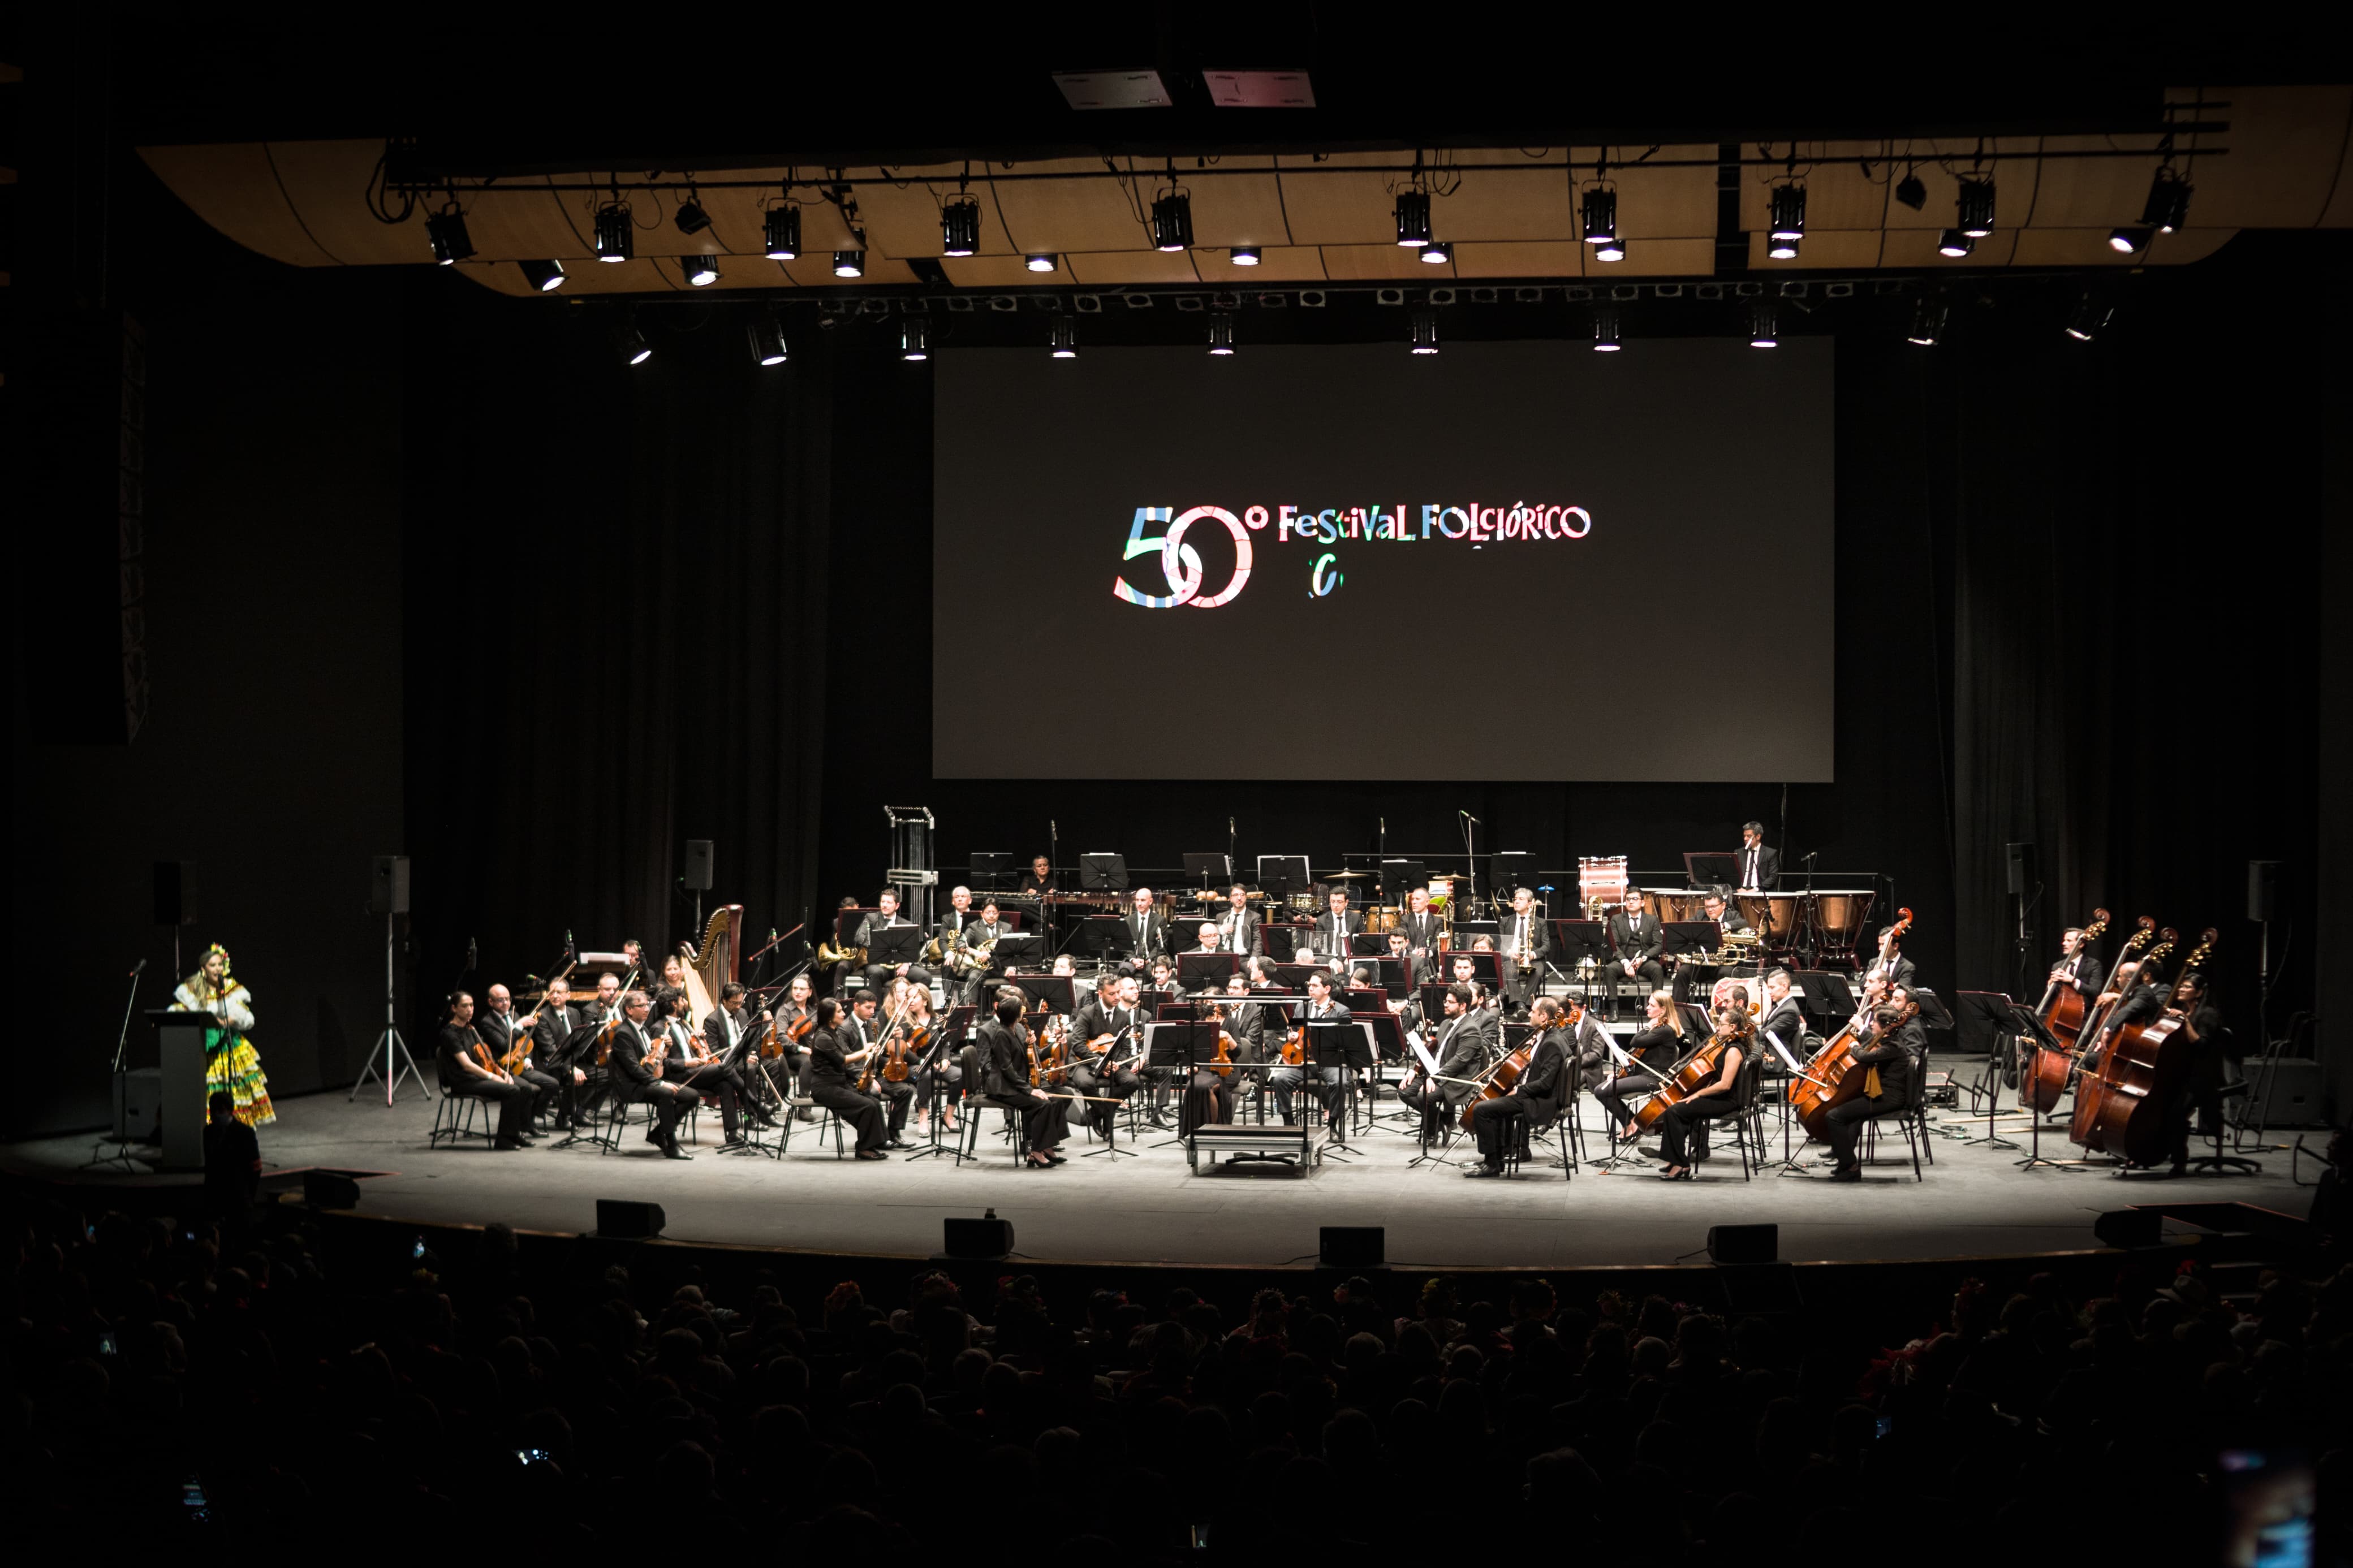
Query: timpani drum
{"points": [[1839, 919], [1779, 918], [1382, 919], [1677, 905]]}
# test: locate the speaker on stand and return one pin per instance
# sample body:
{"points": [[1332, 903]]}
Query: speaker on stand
{"points": [[388, 897], [697, 878]]}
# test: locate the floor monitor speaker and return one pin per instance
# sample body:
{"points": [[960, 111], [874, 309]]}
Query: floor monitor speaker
{"points": [[1744, 1243], [986, 1238], [625, 1219]]}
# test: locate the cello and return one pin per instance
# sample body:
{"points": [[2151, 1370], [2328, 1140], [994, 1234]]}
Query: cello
{"points": [[2083, 1122], [2139, 1072], [1499, 1079], [1698, 1069], [2062, 1011]]}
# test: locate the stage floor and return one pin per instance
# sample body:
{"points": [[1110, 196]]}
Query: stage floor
{"points": [[1151, 1208]]}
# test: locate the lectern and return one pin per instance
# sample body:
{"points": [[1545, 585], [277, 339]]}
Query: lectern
{"points": [[180, 1053]]}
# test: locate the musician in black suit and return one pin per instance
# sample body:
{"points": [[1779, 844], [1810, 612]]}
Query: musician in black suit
{"points": [[1525, 930], [1888, 1063], [886, 916], [636, 1078], [1004, 1068], [1148, 933], [960, 913], [462, 1072], [835, 1058], [1541, 1092], [1422, 929], [1891, 966], [1727, 915], [1327, 1017], [1238, 923], [503, 1031], [729, 1034], [1760, 865], [2077, 969], [1245, 1025], [1782, 1022], [1335, 925], [1587, 1043], [1464, 1049], [557, 1043], [1637, 940], [1107, 1044]]}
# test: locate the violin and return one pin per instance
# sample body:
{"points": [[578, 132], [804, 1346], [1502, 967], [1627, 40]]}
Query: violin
{"points": [[902, 1047], [1222, 1064]]}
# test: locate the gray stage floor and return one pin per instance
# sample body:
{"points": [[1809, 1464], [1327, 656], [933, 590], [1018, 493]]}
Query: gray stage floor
{"points": [[1975, 1200]]}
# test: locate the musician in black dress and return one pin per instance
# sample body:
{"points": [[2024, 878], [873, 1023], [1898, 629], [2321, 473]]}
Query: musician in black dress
{"points": [[1683, 1127], [1888, 1065], [462, 1072], [1005, 1067], [637, 1055], [934, 1069], [1542, 1091], [834, 1060], [1653, 1051]]}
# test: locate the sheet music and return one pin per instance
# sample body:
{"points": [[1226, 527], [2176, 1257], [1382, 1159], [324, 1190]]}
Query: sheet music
{"points": [[1428, 1062]]}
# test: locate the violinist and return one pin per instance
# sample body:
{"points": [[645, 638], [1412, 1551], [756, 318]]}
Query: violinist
{"points": [[637, 1052], [1244, 1023], [795, 1020], [687, 1061], [2199, 1089], [1888, 1063], [1542, 1091], [509, 1036], [1683, 1126], [837, 1057], [1005, 1067], [1109, 1033], [557, 1040], [726, 1035], [1463, 1048], [463, 1072], [934, 1069], [882, 1025], [1585, 1043], [1325, 1017], [1652, 1053]]}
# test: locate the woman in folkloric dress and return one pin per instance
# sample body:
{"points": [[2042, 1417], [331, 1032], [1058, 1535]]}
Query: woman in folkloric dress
{"points": [[230, 1061]]}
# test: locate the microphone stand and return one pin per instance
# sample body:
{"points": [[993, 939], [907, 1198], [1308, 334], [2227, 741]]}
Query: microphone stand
{"points": [[121, 1140]]}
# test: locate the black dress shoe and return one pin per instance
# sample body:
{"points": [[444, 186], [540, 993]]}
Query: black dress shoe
{"points": [[1477, 1173], [507, 1143], [898, 1144], [1847, 1173], [671, 1150]]}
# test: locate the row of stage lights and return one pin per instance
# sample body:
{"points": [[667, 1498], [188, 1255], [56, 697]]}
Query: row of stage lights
{"points": [[2089, 316], [2165, 211]]}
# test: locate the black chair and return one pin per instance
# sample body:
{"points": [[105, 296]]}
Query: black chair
{"points": [[1912, 1120], [454, 1118], [1748, 1125]]}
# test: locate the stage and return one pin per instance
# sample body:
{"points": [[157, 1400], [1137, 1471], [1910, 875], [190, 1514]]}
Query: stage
{"points": [[1151, 1208]]}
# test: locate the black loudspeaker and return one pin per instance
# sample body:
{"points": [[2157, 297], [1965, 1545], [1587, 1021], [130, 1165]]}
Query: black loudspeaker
{"points": [[1352, 1246], [2021, 867], [2129, 1227], [329, 1190], [138, 1103], [2285, 1092], [990, 1237], [2263, 882], [175, 892], [388, 885], [621, 1219], [698, 864], [1744, 1243]]}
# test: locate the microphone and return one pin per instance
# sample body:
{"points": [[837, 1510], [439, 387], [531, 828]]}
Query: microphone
{"points": [[1810, 856], [141, 970], [1467, 817]]}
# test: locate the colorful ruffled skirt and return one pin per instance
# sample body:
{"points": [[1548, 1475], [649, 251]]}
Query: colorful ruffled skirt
{"points": [[235, 1067]]}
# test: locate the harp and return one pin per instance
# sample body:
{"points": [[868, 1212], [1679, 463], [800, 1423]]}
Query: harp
{"points": [[713, 966]]}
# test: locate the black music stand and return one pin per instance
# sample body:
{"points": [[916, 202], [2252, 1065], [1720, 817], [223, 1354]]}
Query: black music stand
{"points": [[1399, 878], [1017, 947], [1397, 979], [1196, 970], [1178, 1047], [1102, 938], [1981, 1018], [1367, 943], [2021, 1020], [895, 945], [1486, 968], [991, 871], [1826, 998], [1210, 871], [1684, 938], [1279, 874], [1294, 976], [1934, 1014], [1051, 992], [1712, 868], [1338, 1042], [1102, 873], [1575, 942], [846, 921]]}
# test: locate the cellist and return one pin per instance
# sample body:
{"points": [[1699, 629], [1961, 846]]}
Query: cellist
{"points": [[1682, 1126], [1542, 1091], [1887, 1064]]}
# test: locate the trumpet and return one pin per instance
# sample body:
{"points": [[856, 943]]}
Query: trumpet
{"points": [[829, 955]]}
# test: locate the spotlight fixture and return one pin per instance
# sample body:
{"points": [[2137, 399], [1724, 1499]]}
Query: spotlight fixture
{"points": [[1042, 262], [1762, 326], [616, 235], [1221, 334], [850, 264], [546, 277], [446, 231], [1413, 218], [1910, 191], [1066, 337], [2167, 207], [1973, 213], [1438, 253], [768, 339], [1599, 214], [2128, 241], [630, 343], [1610, 250], [1425, 332], [915, 339], [1243, 255], [691, 218], [1605, 330], [702, 271], [1927, 321], [782, 230], [1787, 221], [1172, 222], [1955, 244], [960, 227], [2091, 316]]}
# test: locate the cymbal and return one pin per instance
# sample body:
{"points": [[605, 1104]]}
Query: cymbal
{"points": [[1347, 876]]}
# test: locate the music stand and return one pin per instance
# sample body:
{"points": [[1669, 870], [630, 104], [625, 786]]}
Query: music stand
{"points": [[1214, 869], [1198, 971], [846, 921], [1486, 968], [1712, 868], [1047, 993], [1336, 1043], [1278, 874], [1294, 976], [1102, 938], [1015, 947], [1101, 873], [894, 945], [1509, 870], [1826, 996], [2021, 1020], [991, 871], [1280, 939], [1981, 1018], [1368, 944], [1396, 980], [1399, 878], [1934, 1014], [1577, 943]]}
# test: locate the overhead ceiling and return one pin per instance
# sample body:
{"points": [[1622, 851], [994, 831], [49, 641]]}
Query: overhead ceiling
{"points": [[2276, 159]]}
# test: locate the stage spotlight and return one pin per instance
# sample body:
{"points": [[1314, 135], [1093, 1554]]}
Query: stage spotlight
{"points": [[1610, 250], [702, 271], [446, 231], [1910, 191], [1042, 262], [630, 343], [768, 339], [960, 227], [1973, 213], [1763, 331], [1955, 244], [1927, 321], [615, 235], [1425, 332], [1172, 222], [2167, 207], [1599, 213], [850, 264], [546, 277], [1066, 337], [1413, 218], [1786, 225], [691, 218], [1221, 334], [1243, 255], [1605, 330], [915, 339], [782, 230], [2091, 315], [2128, 241], [1438, 253]]}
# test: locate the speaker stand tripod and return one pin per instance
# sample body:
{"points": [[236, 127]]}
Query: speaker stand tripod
{"points": [[389, 1045]]}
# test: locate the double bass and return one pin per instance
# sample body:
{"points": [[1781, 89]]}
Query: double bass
{"points": [[2139, 1074], [2062, 1011], [2083, 1122]]}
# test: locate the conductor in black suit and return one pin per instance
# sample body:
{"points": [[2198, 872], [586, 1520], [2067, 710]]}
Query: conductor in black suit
{"points": [[1637, 940], [1539, 1094], [1760, 865], [637, 1080]]}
